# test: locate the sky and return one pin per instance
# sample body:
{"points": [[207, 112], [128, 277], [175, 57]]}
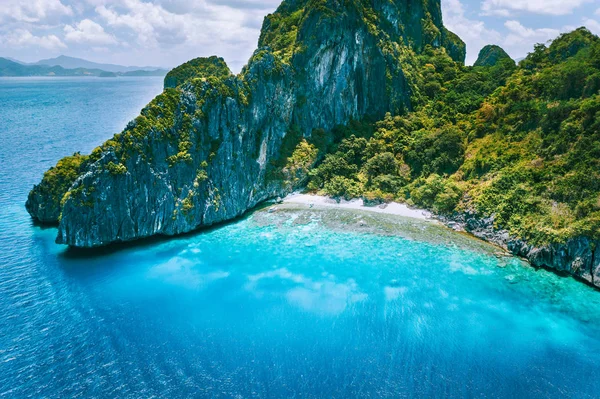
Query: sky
{"points": [[166, 33]]}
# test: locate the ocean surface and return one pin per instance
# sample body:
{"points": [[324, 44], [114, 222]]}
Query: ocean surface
{"points": [[281, 310]]}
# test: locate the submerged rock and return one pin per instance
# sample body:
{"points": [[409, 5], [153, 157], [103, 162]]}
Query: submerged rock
{"points": [[578, 257], [214, 145]]}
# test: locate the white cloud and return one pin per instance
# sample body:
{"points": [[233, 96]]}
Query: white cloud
{"points": [[151, 23], [519, 34], [21, 38], [517, 39], [592, 25], [507, 8], [474, 33], [88, 31], [228, 28], [520, 39], [33, 11]]}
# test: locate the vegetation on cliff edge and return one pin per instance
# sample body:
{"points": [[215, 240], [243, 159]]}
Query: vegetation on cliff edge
{"points": [[197, 68]]}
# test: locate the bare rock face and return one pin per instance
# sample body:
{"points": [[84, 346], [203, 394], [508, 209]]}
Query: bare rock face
{"points": [[214, 145], [42, 207], [209, 164], [578, 257]]}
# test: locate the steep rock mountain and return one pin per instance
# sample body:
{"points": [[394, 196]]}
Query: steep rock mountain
{"points": [[214, 145], [491, 55]]}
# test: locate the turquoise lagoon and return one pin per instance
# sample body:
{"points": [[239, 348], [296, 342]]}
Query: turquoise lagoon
{"points": [[303, 303]]}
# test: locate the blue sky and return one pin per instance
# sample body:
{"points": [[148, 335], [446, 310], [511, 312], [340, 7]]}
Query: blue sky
{"points": [[168, 32], [516, 25]]}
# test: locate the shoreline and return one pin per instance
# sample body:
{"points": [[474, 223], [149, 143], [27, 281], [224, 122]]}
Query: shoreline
{"points": [[393, 208], [579, 257]]}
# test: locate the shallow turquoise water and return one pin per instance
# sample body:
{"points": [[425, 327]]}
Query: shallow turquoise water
{"points": [[255, 310]]}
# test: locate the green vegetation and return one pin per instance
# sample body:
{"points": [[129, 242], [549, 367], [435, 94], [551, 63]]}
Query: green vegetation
{"points": [[490, 55], [187, 205], [299, 163], [116, 169], [281, 31], [299, 24], [519, 143], [200, 68], [59, 179]]}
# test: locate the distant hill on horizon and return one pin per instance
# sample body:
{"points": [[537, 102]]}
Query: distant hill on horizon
{"points": [[17, 61], [74, 63], [14, 68]]}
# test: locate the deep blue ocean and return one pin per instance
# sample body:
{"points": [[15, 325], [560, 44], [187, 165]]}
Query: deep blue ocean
{"points": [[253, 310]]}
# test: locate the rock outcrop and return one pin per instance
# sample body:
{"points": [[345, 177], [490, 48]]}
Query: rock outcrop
{"points": [[578, 257], [491, 55], [214, 145], [44, 202]]}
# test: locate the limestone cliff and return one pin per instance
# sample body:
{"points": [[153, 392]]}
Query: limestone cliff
{"points": [[214, 145]]}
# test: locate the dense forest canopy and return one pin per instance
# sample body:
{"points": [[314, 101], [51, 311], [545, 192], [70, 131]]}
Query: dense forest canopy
{"points": [[521, 144]]}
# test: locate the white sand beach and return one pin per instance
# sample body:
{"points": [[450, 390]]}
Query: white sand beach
{"points": [[393, 208]]}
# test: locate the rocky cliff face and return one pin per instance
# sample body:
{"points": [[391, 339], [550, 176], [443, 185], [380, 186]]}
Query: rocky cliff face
{"points": [[214, 145]]}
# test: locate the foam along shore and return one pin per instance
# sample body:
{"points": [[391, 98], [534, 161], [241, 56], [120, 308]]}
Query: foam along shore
{"points": [[393, 208]]}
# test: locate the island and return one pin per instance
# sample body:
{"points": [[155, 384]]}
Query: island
{"points": [[10, 68], [364, 100]]}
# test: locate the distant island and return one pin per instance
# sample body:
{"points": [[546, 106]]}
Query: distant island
{"points": [[69, 66], [74, 63]]}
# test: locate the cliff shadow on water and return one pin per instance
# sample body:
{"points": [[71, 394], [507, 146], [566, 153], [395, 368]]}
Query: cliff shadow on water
{"points": [[149, 242]]}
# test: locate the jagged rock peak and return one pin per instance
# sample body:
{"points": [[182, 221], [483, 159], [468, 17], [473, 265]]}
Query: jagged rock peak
{"points": [[491, 55], [411, 23]]}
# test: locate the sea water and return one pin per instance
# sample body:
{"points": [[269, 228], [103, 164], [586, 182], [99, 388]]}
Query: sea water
{"points": [[270, 306]]}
